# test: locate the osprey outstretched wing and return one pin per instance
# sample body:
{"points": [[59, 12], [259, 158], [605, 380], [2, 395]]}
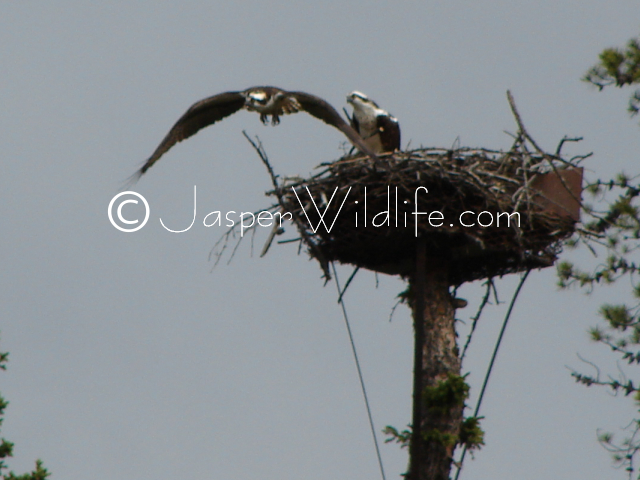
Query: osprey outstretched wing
{"points": [[264, 100]]}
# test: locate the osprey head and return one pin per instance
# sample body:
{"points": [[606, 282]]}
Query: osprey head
{"points": [[358, 99], [257, 99]]}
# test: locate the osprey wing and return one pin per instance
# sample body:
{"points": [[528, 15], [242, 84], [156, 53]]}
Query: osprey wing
{"points": [[321, 109], [354, 123], [201, 114], [389, 132]]}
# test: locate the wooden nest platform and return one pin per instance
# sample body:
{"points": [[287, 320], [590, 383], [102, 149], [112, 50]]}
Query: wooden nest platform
{"points": [[483, 212]]}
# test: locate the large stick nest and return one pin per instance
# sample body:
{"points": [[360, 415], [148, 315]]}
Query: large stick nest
{"points": [[462, 180], [541, 190]]}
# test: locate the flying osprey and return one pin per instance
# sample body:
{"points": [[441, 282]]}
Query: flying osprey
{"points": [[378, 128], [264, 100]]}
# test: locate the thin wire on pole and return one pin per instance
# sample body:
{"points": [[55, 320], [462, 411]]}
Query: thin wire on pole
{"points": [[418, 291], [355, 356], [474, 320], [493, 358]]}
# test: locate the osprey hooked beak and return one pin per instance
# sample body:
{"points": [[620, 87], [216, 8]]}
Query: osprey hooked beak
{"points": [[356, 97]]}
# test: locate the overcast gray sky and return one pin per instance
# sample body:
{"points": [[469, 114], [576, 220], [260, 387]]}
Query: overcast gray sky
{"points": [[130, 358]]}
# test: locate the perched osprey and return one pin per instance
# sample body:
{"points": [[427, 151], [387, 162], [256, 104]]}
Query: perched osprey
{"points": [[264, 100], [378, 128]]}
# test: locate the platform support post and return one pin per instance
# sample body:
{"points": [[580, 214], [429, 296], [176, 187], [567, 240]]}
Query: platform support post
{"points": [[438, 400]]}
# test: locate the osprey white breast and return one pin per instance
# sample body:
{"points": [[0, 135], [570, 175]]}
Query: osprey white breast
{"points": [[378, 128]]}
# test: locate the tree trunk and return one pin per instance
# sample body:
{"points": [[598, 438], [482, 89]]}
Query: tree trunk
{"points": [[438, 402]]}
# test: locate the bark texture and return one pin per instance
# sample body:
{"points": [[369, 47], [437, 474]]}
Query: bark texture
{"points": [[438, 401]]}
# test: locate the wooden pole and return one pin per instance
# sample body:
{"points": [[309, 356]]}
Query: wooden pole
{"points": [[437, 409]]}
